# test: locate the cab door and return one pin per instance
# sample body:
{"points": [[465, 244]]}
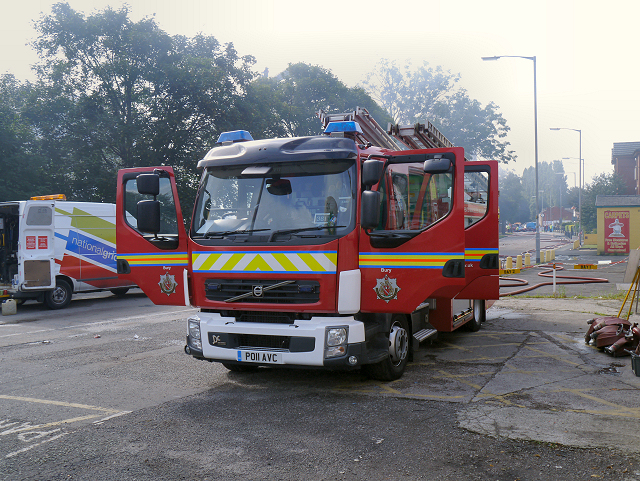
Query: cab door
{"points": [[417, 250], [36, 251], [158, 262]]}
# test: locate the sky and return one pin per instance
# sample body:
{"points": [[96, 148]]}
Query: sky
{"points": [[586, 55]]}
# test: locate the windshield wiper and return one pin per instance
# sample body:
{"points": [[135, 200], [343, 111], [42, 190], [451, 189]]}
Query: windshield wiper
{"points": [[302, 229], [231, 232]]}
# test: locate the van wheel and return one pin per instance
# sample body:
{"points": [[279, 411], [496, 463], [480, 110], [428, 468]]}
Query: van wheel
{"points": [[393, 366], [59, 297], [119, 291]]}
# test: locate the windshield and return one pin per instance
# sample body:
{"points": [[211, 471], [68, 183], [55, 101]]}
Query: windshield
{"points": [[313, 199]]}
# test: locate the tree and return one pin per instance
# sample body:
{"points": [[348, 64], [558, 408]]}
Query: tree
{"points": [[603, 184], [427, 93], [552, 185], [514, 207], [114, 94], [294, 97], [18, 164]]}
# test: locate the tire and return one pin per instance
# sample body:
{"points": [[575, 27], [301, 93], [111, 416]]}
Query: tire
{"points": [[479, 315], [119, 291], [394, 365], [239, 368], [60, 296]]}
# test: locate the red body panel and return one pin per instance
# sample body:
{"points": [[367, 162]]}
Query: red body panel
{"points": [[160, 273]]}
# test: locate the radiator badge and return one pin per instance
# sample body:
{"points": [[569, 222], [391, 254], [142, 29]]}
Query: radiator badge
{"points": [[386, 289], [168, 284]]}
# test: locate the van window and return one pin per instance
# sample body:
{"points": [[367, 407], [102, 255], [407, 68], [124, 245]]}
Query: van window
{"points": [[40, 215]]}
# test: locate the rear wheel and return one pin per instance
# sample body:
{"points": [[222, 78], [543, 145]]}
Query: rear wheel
{"points": [[60, 296], [479, 315], [393, 366]]}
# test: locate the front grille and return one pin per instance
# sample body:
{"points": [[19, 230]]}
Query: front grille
{"points": [[260, 341], [262, 291], [268, 317], [251, 341]]}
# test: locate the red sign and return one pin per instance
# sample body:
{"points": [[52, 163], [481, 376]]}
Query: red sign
{"points": [[31, 242], [43, 242], [616, 231]]}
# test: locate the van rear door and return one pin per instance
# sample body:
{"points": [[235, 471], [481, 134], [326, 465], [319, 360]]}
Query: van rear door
{"points": [[36, 257]]}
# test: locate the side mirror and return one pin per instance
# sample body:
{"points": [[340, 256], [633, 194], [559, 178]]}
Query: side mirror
{"points": [[370, 209], [371, 172], [148, 184], [440, 165], [149, 216]]}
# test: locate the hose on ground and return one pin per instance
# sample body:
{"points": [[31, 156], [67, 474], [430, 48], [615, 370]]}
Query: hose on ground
{"points": [[545, 273]]}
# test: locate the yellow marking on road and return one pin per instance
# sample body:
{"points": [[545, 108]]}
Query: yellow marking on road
{"points": [[619, 410], [58, 403], [552, 356], [57, 423]]}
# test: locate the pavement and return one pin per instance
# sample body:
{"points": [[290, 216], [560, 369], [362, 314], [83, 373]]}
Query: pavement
{"points": [[551, 386]]}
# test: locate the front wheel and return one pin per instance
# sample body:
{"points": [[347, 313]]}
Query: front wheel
{"points": [[392, 367], [60, 296]]}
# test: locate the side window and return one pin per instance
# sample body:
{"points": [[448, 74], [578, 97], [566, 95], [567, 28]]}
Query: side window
{"points": [[476, 196], [168, 218], [40, 215], [413, 200]]}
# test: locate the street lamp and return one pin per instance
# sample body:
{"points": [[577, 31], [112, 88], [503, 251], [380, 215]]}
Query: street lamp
{"points": [[580, 164], [535, 123]]}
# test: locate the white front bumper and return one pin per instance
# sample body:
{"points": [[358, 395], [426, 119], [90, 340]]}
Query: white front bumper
{"points": [[313, 328]]}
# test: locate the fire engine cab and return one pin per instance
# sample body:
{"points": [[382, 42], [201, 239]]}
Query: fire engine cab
{"points": [[344, 250]]}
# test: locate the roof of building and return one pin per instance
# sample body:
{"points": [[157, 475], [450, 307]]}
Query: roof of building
{"points": [[617, 200], [624, 148]]}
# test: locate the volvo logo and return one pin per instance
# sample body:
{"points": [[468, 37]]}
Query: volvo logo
{"points": [[257, 291]]}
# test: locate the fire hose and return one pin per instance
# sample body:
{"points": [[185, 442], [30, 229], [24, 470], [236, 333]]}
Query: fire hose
{"points": [[545, 273]]}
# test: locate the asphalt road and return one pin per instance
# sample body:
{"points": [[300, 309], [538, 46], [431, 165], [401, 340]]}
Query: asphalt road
{"points": [[104, 391]]}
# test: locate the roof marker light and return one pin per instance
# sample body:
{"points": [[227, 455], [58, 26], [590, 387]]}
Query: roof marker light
{"points": [[49, 197], [343, 126], [234, 136]]}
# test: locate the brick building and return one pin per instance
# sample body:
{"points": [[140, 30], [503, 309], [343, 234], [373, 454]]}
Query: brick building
{"points": [[625, 157]]}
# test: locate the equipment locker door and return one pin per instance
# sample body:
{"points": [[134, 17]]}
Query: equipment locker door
{"points": [[481, 230], [36, 256], [158, 263]]}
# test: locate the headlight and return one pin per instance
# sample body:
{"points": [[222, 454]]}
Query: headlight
{"points": [[194, 333], [336, 336]]}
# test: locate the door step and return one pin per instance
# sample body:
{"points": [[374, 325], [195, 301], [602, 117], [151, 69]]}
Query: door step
{"points": [[424, 334]]}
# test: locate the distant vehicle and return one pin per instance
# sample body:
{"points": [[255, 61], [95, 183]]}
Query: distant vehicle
{"points": [[51, 249], [530, 226]]}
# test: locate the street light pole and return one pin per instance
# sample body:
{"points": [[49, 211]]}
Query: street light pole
{"points": [[535, 122], [580, 164]]}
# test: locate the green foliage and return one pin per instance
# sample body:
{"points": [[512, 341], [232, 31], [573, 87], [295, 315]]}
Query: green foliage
{"points": [[514, 207], [290, 101], [19, 163], [427, 93], [603, 184], [552, 186], [114, 94]]}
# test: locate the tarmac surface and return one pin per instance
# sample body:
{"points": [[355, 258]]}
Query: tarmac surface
{"points": [[552, 387]]}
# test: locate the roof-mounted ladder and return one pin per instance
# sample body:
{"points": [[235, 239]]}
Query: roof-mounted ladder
{"points": [[396, 137], [372, 133]]}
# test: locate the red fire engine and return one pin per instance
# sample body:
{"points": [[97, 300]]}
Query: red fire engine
{"points": [[344, 250]]}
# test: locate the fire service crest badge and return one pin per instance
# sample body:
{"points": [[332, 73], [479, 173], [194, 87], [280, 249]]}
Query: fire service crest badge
{"points": [[168, 284], [386, 289]]}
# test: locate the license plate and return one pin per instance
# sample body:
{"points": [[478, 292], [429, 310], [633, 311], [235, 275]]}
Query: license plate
{"points": [[260, 356]]}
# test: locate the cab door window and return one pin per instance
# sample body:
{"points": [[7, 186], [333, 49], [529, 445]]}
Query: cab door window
{"points": [[413, 199], [168, 217]]}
